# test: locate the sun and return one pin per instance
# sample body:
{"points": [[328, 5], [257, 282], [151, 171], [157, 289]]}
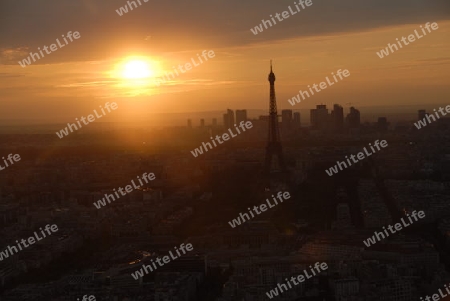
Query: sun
{"points": [[136, 69], [136, 74]]}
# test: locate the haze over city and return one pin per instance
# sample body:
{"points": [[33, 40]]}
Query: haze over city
{"points": [[220, 150]]}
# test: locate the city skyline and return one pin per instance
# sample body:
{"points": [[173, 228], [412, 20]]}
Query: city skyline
{"points": [[218, 150]]}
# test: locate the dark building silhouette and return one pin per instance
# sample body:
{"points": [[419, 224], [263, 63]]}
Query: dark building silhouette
{"points": [[286, 119], [241, 115], [296, 120], [319, 117], [274, 143], [382, 124], [202, 122], [337, 117], [228, 119], [225, 120], [353, 118], [313, 118], [189, 123]]}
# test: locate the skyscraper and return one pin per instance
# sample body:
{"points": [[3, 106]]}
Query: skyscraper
{"points": [[286, 118], [319, 117], [241, 115], [382, 124], [297, 119], [337, 117], [322, 116], [189, 123], [313, 118], [226, 123], [228, 119], [273, 144], [353, 118], [202, 123]]}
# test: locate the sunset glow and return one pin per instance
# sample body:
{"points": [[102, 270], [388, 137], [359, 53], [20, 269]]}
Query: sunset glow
{"points": [[137, 69], [225, 150]]}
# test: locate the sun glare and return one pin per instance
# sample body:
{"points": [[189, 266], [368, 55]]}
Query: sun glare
{"points": [[136, 69], [135, 75]]}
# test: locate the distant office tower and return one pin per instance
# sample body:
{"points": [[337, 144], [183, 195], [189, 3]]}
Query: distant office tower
{"points": [[353, 118], [337, 117], [296, 119], [313, 118], [189, 123], [225, 121], [241, 115], [228, 119], [286, 117], [214, 122], [422, 114], [382, 124], [202, 122], [322, 116], [319, 117]]}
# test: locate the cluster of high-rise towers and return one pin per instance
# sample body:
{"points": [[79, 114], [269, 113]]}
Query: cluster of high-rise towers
{"points": [[320, 119], [229, 119]]}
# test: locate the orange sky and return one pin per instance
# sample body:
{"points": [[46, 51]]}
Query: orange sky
{"points": [[52, 90]]}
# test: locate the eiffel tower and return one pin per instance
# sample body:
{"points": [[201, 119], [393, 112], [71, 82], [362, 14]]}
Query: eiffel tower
{"points": [[274, 144]]}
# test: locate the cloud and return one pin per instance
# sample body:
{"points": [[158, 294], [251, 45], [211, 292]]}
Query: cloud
{"points": [[11, 75], [12, 55], [185, 25], [97, 83], [437, 59], [428, 62]]}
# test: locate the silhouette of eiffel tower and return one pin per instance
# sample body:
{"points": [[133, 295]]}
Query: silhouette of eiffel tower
{"points": [[274, 144]]}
